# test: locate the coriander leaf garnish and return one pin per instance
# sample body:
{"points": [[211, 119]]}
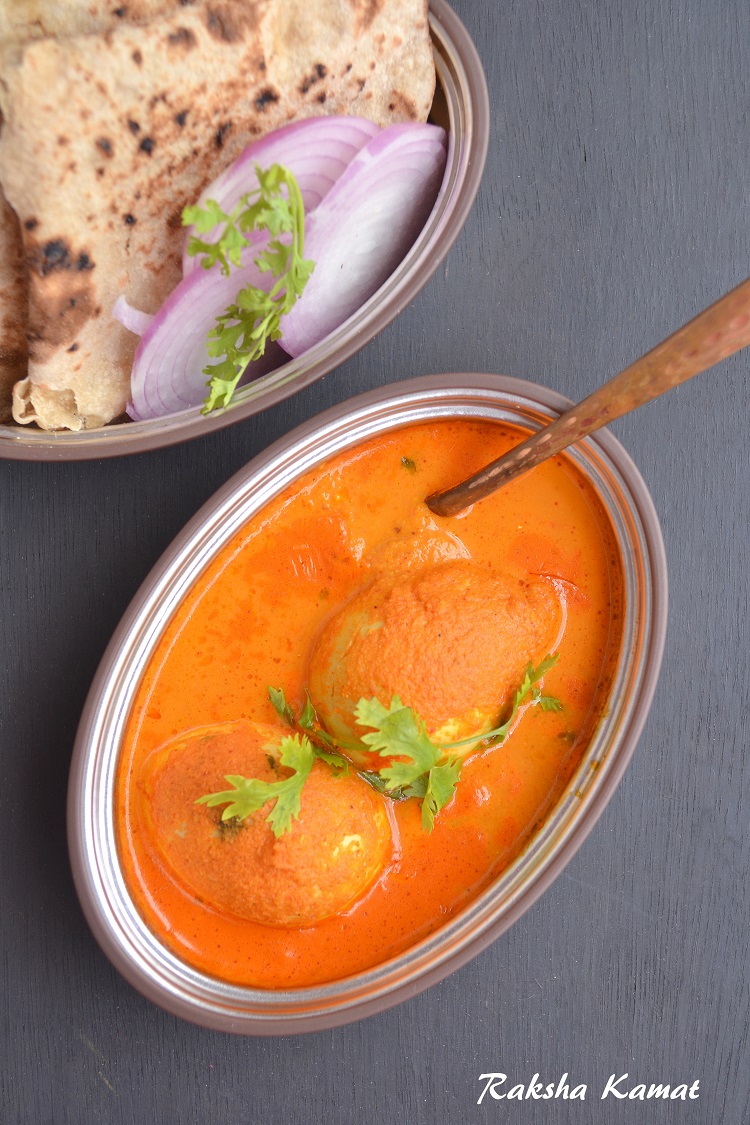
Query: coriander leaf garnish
{"points": [[332, 759], [324, 746], [248, 794], [399, 733], [241, 333], [527, 688], [441, 785], [549, 703], [308, 717], [418, 767], [282, 708], [409, 465], [430, 773]]}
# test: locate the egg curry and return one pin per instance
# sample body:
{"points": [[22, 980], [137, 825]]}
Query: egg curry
{"points": [[360, 713]]}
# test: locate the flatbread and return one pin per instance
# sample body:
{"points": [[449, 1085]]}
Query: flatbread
{"points": [[22, 20], [107, 137], [13, 307]]}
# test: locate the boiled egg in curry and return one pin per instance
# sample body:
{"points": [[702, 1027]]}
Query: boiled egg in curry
{"points": [[451, 640], [334, 848]]}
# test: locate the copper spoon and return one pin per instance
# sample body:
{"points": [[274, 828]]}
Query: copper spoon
{"points": [[719, 331]]}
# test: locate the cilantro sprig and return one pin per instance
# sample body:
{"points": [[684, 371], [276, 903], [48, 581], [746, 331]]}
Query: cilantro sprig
{"points": [[240, 334], [249, 794], [422, 768], [324, 746], [526, 692], [417, 767]]}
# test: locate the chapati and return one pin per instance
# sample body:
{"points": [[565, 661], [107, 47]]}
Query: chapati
{"points": [[107, 136]]}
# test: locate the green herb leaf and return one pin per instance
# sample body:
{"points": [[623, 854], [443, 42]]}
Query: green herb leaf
{"points": [[241, 333], [308, 721], [428, 774], [398, 734], [282, 708], [409, 465], [441, 785], [531, 677], [309, 717], [249, 794], [332, 759]]}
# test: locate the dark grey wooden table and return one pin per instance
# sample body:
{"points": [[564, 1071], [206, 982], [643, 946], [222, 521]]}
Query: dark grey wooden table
{"points": [[613, 207]]}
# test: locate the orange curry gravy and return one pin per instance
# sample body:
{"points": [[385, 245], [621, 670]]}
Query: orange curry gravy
{"points": [[250, 621]]}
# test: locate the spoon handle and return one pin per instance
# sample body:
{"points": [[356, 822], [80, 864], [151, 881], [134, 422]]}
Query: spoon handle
{"points": [[719, 331]]}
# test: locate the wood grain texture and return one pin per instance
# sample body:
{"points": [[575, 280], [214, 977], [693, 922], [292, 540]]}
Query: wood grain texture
{"points": [[613, 207]]}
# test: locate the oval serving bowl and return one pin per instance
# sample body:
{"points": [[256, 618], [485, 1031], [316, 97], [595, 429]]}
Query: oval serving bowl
{"points": [[103, 892], [461, 106]]}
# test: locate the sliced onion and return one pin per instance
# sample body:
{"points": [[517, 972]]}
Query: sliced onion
{"points": [[132, 319], [316, 151], [364, 227], [169, 360]]}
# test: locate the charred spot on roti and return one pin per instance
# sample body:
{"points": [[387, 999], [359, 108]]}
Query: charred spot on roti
{"points": [[174, 222], [59, 307], [365, 12], [318, 73], [221, 133], [266, 97], [73, 347], [229, 22], [182, 37], [137, 58], [120, 12], [402, 106], [31, 224], [147, 145], [133, 126], [53, 255], [129, 220], [105, 145], [181, 118]]}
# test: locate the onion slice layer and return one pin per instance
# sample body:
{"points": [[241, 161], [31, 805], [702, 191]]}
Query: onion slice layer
{"points": [[317, 151], [364, 227], [169, 360]]}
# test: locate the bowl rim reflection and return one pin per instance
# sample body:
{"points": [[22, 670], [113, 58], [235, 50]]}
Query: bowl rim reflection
{"points": [[124, 936], [462, 87]]}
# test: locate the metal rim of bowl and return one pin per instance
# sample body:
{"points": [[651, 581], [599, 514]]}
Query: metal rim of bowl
{"points": [[161, 975], [464, 88]]}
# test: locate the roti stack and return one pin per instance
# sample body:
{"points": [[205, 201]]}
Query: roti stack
{"points": [[115, 118]]}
